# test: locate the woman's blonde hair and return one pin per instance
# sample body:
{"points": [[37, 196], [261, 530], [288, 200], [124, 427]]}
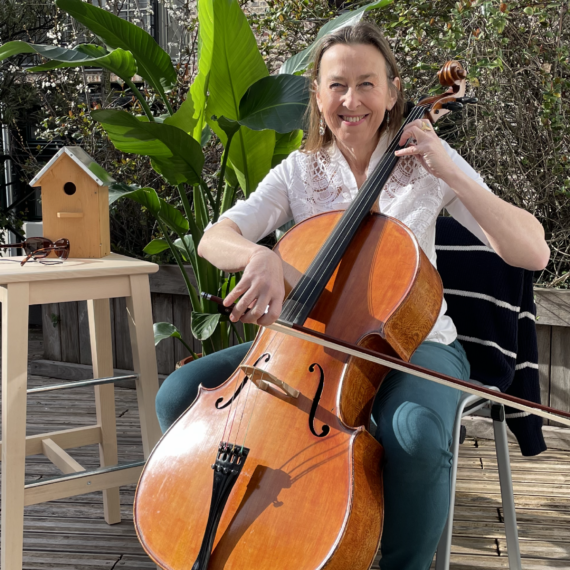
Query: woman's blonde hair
{"points": [[363, 33]]}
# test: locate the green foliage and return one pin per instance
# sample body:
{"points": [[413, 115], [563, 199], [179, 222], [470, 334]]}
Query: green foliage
{"points": [[243, 111], [204, 325], [162, 331], [517, 55], [152, 61], [277, 102], [299, 63], [236, 65], [175, 154]]}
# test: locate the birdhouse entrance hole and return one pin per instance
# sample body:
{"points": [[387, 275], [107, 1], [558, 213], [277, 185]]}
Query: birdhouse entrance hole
{"points": [[69, 188]]}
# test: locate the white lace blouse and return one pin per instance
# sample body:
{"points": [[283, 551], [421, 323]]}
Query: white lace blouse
{"points": [[307, 184]]}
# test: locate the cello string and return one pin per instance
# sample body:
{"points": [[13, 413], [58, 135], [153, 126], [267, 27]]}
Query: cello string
{"points": [[251, 416], [281, 338], [230, 410], [292, 313], [266, 351], [242, 413], [357, 212], [233, 419]]}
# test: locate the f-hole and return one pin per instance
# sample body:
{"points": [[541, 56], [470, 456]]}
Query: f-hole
{"points": [[315, 405], [265, 355]]}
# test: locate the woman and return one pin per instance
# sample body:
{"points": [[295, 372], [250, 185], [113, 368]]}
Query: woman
{"points": [[355, 109]]}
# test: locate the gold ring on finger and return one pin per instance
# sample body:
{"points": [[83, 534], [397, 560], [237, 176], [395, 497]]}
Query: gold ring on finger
{"points": [[425, 126]]}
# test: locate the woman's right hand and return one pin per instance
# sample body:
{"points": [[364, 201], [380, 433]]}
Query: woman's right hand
{"points": [[260, 289]]}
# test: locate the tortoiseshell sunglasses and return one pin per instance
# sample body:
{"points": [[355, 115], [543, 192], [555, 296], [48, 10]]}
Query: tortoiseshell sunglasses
{"points": [[39, 248]]}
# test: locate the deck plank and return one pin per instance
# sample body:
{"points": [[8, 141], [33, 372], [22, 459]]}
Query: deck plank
{"points": [[70, 534]]}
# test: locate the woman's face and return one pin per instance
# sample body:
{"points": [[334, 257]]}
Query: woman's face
{"points": [[353, 93]]}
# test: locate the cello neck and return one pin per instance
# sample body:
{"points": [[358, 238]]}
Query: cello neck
{"points": [[305, 295]]}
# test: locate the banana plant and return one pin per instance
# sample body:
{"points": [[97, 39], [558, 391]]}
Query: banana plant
{"points": [[257, 117]]}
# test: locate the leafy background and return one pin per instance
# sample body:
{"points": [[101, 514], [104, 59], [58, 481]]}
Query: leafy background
{"points": [[517, 136]]}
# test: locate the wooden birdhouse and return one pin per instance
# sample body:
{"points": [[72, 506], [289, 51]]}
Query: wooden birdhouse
{"points": [[75, 202]]}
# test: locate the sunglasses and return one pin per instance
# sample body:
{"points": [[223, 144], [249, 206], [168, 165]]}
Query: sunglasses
{"points": [[38, 248]]}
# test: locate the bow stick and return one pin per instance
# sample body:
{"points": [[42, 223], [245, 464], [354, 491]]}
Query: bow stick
{"points": [[310, 335]]}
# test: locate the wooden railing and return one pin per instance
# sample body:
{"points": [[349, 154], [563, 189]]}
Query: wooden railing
{"points": [[553, 330]]}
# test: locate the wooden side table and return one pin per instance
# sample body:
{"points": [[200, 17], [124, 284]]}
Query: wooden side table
{"points": [[96, 281]]}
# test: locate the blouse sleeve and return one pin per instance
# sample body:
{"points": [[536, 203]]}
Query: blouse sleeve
{"points": [[267, 208], [454, 205]]}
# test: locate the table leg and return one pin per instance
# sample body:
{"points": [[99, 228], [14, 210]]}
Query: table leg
{"points": [[144, 358], [15, 309], [102, 354]]}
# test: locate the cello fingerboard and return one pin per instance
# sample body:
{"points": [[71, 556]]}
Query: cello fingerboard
{"points": [[305, 295]]}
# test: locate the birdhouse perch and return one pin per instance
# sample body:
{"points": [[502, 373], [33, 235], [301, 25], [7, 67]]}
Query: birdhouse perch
{"points": [[75, 202]]}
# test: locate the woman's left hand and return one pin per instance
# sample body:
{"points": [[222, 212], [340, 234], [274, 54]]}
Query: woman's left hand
{"points": [[427, 146]]}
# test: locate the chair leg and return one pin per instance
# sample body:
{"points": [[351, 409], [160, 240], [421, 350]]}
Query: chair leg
{"points": [[139, 309], [443, 552], [507, 497], [102, 356], [14, 381]]}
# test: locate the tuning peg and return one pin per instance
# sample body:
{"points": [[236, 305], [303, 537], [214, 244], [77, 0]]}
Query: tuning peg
{"points": [[467, 100], [452, 106]]}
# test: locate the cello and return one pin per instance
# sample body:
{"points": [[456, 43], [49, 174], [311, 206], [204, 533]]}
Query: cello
{"points": [[275, 468]]}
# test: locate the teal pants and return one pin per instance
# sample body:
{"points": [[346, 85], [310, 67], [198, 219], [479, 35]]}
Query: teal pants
{"points": [[414, 419]]}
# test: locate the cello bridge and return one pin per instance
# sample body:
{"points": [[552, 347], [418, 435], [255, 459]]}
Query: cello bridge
{"points": [[262, 379]]}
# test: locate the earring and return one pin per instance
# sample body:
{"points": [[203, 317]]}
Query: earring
{"points": [[321, 127], [387, 118]]}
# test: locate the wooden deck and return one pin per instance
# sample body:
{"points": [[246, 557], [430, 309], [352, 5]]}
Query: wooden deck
{"points": [[71, 534]]}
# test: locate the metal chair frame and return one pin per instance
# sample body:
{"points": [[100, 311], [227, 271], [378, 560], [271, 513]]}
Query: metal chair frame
{"points": [[474, 405]]}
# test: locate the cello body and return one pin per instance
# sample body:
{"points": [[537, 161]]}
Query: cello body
{"points": [[309, 494]]}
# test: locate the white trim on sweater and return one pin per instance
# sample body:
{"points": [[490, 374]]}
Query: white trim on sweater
{"points": [[484, 297], [528, 315], [487, 343], [464, 248]]}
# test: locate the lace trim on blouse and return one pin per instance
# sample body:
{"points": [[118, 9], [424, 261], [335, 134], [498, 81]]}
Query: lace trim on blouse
{"points": [[411, 194]]}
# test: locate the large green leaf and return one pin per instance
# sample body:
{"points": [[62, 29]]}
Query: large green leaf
{"points": [[191, 116], [278, 102], [146, 197], [156, 246], [119, 189], [175, 154], [204, 324], [162, 331], [17, 47], [236, 65], [159, 208], [173, 218], [118, 61], [152, 61], [299, 62], [187, 248], [285, 144]]}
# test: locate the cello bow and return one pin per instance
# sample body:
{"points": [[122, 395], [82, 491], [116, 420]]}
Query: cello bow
{"points": [[421, 372], [351, 349]]}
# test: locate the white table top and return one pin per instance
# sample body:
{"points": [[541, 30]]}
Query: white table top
{"points": [[113, 264]]}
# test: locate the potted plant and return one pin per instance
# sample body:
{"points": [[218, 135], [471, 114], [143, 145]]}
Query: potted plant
{"points": [[257, 117]]}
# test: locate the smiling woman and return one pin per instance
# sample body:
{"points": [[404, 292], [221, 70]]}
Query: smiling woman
{"points": [[356, 109], [355, 93], [353, 87]]}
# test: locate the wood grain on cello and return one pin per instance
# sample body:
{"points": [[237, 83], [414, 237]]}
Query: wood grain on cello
{"points": [[273, 479]]}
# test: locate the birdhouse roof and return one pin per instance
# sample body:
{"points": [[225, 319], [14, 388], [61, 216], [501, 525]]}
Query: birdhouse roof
{"points": [[82, 159]]}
